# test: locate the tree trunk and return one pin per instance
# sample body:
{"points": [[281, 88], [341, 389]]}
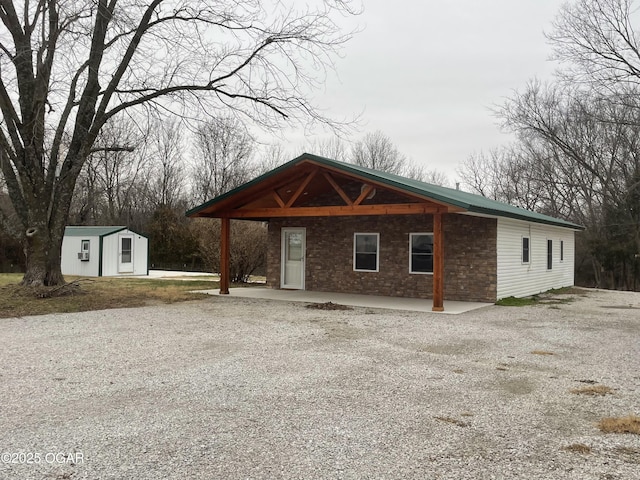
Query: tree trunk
{"points": [[43, 248], [43, 236]]}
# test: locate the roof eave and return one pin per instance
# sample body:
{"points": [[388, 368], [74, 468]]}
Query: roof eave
{"points": [[371, 176], [525, 218]]}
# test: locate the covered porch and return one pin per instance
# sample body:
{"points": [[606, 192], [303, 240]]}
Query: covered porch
{"points": [[313, 187]]}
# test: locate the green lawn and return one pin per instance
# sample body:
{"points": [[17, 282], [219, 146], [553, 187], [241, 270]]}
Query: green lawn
{"points": [[84, 294]]}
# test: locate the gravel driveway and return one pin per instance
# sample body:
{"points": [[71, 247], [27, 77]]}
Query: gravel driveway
{"points": [[246, 389]]}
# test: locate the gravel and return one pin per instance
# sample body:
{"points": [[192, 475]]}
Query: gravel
{"points": [[250, 389]]}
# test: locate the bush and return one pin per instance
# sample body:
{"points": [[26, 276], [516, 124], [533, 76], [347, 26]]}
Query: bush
{"points": [[248, 247]]}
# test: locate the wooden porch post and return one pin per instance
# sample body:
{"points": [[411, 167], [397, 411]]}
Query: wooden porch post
{"points": [[225, 239], [438, 264]]}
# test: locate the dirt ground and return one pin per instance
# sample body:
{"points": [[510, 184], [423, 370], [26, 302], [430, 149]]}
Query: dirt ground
{"points": [[246, 389]]}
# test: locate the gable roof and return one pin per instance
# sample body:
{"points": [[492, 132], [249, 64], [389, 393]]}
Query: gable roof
{"points": [[464, 201], [94, 231]]}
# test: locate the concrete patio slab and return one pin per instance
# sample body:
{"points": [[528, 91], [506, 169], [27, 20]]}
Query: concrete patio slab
{"points": [[353, 300]]}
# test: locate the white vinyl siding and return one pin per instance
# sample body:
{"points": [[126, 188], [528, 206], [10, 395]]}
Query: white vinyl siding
{"points": [[519, 279], [111, 254], [71, 264]]}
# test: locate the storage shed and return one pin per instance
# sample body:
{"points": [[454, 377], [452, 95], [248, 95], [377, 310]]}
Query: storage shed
{"points": [[104, 251], [339, 227]]}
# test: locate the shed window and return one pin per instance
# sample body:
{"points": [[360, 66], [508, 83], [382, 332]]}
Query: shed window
{"points": [[126, 247], [421, 253], [366, 252], [525, 249], [562, 250], [549, 254], [84, 246]]}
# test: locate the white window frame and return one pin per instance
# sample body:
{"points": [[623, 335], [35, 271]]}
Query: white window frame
{"points": [[82, 245], [411, 235], [528, 261], [377, 235]]}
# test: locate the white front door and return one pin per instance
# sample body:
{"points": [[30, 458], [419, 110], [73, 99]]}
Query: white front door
{"points": [[293, 253], [125, 253]]}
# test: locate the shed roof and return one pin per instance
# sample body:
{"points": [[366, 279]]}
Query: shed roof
{"points": [[464, 201], [93, 231]]}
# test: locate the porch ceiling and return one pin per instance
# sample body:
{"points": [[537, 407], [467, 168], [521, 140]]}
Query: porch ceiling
{"points": [[309, 188]]}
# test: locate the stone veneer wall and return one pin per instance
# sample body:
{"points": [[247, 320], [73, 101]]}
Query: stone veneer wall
{"points": [[470, 255]]}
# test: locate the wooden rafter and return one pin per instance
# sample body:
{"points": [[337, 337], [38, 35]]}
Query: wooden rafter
{"points": [[279, 200], [377, 184], [365, 192], [301, 188], [337, 188]]}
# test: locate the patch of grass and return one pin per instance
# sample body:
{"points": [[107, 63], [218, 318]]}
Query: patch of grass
{"points": [[454, 421], [517, 302], [550, 297], [541, 352], [9, 278], [578, 448], [559, 291], [594, 390], [629, 424], [93, 294]]}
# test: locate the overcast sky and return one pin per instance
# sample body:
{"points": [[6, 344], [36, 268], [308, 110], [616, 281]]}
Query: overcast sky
{"points": [[426, 73]]}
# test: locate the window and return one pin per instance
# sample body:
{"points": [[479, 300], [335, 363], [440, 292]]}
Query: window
{"points": [[126, 244], [525, 249], [562, 250], [365, 252], [84, 246], [421, 253], [549, 254], [294, 246]]}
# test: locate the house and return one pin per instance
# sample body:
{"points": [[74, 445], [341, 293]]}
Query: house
{"points": [[104, 252], [344, 228]]}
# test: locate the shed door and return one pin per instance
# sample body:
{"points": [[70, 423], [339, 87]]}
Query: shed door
{"points": [[125, 253], [293, 251]]}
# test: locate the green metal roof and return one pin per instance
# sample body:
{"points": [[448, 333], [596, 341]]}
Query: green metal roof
{"points": [[98, 231], [468, 201]]}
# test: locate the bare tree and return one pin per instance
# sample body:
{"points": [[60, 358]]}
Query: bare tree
{"points": [[67, 68], [221, 158], [166, 189], [271, 157], [597, 42], [110, 178], [378, 152], [333, 147], [421, 173]]}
